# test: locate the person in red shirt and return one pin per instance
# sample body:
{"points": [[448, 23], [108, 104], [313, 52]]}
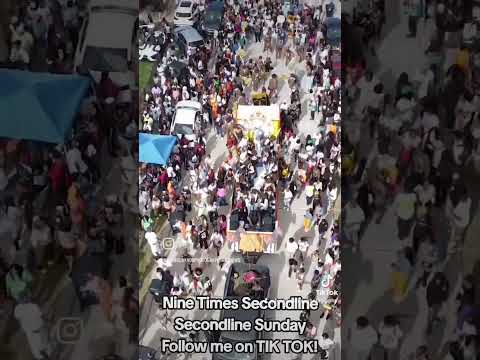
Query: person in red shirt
{"points": [[163, 179], [58, 178], [107, 88]]}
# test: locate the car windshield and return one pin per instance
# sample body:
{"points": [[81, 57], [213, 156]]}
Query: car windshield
{"points": [[185, 129], [185, 4], [105, 59], [196, 44], [212, 17]]}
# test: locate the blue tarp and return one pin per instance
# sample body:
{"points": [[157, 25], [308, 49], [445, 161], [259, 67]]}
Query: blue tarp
{"points": [[39, 106], [155, 149]]}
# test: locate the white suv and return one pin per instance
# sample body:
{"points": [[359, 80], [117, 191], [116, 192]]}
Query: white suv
{"points": [[186, 14], [187, 119], [108, 41]]}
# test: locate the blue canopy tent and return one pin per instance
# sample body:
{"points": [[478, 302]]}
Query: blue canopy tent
{"points": [[39, 106], [155, 149]]}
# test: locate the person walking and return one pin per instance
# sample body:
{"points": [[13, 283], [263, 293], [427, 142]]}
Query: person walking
{"points": [[401, 272], [31, 321], [436, 295], [300, 277], [458, 208], [362, 337], [18, 282], [217, 241], [405, 205], [295, 261], [414, 10], [316, 280], [354, 218], [390, 336]]}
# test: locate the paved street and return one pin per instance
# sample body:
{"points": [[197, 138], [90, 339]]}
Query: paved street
{"points": [[366, 280], [153, 320], [62, 302]]}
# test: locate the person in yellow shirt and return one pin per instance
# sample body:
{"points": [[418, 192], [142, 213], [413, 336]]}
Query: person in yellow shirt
{"points": [[463, 59], [405, 205]]}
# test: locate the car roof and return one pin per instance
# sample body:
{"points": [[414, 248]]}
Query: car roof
{"points": [[110, 29], [126, 4], [185, 4], [185, 116], [240, 315], [216, 5], [189, 104], [189, 32]]}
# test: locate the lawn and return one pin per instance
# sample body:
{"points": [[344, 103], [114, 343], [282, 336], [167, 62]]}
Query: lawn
{"points": [[145, 76]]}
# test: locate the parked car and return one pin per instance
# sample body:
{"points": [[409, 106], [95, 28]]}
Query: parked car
{"points": [[334, 30], [187, 119], [248, 272], [213, 18], [188, 37], [146, 353], [186, 14], [108, 41]]}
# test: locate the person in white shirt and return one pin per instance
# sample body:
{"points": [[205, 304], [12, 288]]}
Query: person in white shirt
{"points": [[332, 196], [365, 85], [153, 242], [291, 247], [25, 38], [354, 218], [361, 337], [75, 162], [404, 206], [425, 192], [390, 336], [18, 54], [30, 317], [458, 208], [429, 121], [326, 343]]}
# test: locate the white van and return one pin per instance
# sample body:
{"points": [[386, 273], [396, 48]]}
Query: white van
{"points": [[108, 41], [187, 119]]}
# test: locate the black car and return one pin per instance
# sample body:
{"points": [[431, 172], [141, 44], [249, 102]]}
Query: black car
{"points": [[236, 289], [160, 288], [212, 20], [179, 70], [146, 353]]}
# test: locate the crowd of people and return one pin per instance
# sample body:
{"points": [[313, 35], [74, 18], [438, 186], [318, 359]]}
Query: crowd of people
{"points": [[59, 220], [420, 165], [42, 35], [263, 171]]}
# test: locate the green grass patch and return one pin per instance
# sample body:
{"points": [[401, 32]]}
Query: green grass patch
{"points": [[145, 74]]}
